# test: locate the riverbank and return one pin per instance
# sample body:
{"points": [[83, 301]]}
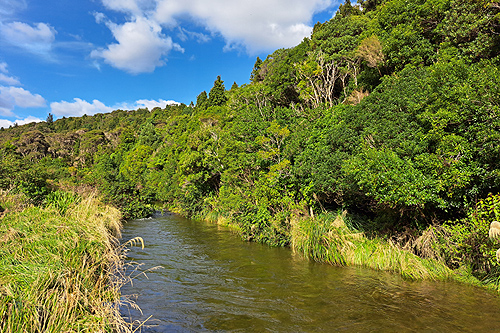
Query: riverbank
{"points": [[210, 280], [58, 266], [329, 238]]}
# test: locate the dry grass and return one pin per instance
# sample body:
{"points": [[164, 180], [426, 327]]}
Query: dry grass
{"points": [[61, 273]]}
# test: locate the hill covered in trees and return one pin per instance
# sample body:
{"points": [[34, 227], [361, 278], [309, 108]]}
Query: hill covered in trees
{"points": [[390, 111]]}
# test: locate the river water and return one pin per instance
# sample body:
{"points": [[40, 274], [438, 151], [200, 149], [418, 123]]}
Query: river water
{"points": [[210, 280]]}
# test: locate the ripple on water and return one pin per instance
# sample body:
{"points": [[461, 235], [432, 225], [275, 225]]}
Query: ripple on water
{"points": [[210, 280]]}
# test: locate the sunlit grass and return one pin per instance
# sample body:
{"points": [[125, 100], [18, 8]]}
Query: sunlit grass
{"points": [[59, 268], [328, 239]]}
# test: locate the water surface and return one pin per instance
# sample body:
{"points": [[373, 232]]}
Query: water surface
{"points": [[210, 280]]}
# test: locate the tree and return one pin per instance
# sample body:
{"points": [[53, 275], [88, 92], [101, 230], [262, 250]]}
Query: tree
{"points": [[148, 135], [370, 50], [369, 5], [50, 119], [256, 76], [135, 163], [202, 100], [317, 79], [217, 95], [32, 145]]}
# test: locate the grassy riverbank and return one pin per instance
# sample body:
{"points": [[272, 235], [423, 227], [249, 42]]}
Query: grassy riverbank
{"points": [[331, 238], [57, 265], [328, 239]]}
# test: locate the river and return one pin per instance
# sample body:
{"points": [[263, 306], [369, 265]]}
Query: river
{"points": [[210, 280]]}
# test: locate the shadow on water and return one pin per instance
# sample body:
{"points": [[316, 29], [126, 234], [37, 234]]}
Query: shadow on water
{"points": [[210, 280]]}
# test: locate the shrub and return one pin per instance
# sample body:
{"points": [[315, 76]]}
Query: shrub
{"points": [[465, 242]]}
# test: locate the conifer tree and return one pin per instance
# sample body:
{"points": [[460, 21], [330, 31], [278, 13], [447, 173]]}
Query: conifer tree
{"points": [[202, 100], [255, 76], [50, 119], [217, 95]]}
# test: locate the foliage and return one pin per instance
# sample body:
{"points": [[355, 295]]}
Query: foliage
{"points": [[33, 184], [217, 95], [61, 200], [331, 239], [390, 109], [465, 242]]}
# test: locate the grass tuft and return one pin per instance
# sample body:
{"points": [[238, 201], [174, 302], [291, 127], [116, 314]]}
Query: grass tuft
{"points": [[327, 238], [59, 271]]}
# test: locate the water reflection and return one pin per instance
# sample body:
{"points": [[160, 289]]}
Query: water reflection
{"points": [[212, 281]]}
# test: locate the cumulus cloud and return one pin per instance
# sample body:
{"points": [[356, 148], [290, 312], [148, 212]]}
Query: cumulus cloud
{"points": [[255, 25], [150, 104], [79, 107], [36, 39], [10, 97], [140, 47], [6, 123]]}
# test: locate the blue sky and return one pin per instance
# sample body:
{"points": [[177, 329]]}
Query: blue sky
{"points": [[71, 57]]}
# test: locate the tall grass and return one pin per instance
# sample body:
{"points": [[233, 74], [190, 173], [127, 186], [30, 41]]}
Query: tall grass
{"points": [[58, 269], [213, 216], [61, 200], [327, 238]]}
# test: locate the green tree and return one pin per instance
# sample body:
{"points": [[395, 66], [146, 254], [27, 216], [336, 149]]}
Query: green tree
{"points": [[135, 163], [217, 95], [148, 135], [256, 76], [202, 100], [50, 119]]}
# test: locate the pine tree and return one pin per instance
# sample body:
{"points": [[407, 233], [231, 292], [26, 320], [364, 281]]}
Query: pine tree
{"points": [[202, 100], [217, 95], [50, 119], [255, 76]]}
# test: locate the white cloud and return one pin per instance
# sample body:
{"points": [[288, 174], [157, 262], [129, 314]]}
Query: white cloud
{"points": [[11, 97], [37, 39], [7, 79], [184, 35], [151, 104], [255, 25], [9, 7], [79, 107], [134, 7], [140, 47], [6, 123]]}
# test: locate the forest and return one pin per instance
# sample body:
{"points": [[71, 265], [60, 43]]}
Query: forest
{"points": [[387, 115]]}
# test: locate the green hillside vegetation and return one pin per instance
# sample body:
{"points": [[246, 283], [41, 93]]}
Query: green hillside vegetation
{"points": [[374, 142]]}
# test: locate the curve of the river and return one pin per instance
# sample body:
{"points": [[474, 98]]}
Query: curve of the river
{"points": [[210, 280]]}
